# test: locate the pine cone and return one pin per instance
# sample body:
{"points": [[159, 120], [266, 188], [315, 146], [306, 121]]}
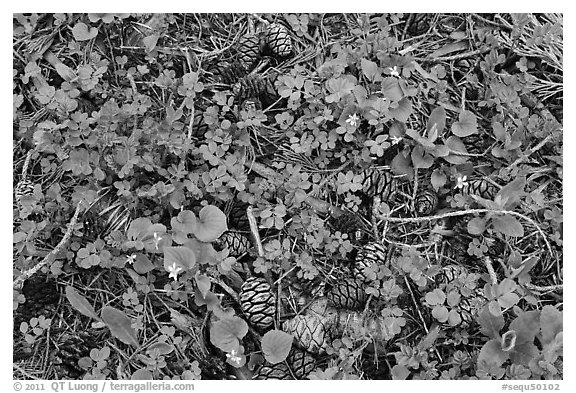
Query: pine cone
{"points": [[278, 40], [301, 363], [237, 217], [249, 50], [371, 254], [258, 302], [24, 188], [310, 332], [273, 371], [426, 202], [237, 243], [42, 297], [255, 87], [348, 294], [72, 347], [479, 187], [199, 125], [378, 183], [228, 73]]}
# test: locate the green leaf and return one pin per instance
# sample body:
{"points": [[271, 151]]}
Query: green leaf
{"points": [[508, 300], [551, 323], [438, 179], [82, 32], [490, 324], [526, 326], [466, 124], [508, 225], [179, 257], [226, 333], [211, 224], [440, 313], [511, 193], [492, 353], [436, 123], [391, 89], [142, 375], [495, 308], [420, 158], [403, 111], [185, 222], [401, 166], [499, 131], [203, 283], [476, 226], [150, 42], [435, 297], [370, 69], [523, 353], [142, 264], [120, 325], [162, 348], [276, 345], [400, 372], [80, 303]]}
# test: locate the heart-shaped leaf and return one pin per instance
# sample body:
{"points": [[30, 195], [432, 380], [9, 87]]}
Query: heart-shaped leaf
{"points": [[120, 325], [403, 111], [420, 158], [83, 32], [276, 345], [80, 303], [175, 257], [185, 222], [227, 333], [466, 125], [142, 264], [211, 224]]}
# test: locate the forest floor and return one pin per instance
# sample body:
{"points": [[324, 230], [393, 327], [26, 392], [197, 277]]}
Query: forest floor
{"points": [[288, 196]]}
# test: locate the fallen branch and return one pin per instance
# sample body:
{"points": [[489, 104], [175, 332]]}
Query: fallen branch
{"points": [[19, 281], [470, 211], [548, 288]]}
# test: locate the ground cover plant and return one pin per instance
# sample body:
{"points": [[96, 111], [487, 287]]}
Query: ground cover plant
{"points": [[287, 196]]}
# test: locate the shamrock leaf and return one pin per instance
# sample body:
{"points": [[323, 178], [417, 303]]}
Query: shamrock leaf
{"points": [[466, 124], [82, 32]]}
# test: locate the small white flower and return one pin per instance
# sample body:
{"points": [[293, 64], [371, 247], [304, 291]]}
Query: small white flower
{"points": [[461, 182], [131, 259], [396, 140], [174, 270], [394, 71], [352, 120], [233, 357], [157, 239]]}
